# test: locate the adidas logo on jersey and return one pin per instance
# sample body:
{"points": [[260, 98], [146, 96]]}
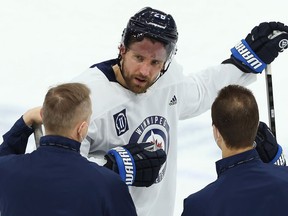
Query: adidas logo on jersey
{"points": [[173, 101]]}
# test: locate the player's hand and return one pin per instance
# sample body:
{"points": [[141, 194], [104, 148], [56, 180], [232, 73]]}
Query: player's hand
{"points": [[268, 39], [260, 47], [32, 116], [267, 147], [136, 163]]}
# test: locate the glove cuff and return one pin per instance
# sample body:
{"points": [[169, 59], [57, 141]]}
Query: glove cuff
{"points": [[125, 163], [279, 158], [243, 52], [238, 64]]}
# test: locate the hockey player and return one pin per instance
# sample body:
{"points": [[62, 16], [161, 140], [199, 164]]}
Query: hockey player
{"points": [[55, 179], [245, 184], [143, 93]]}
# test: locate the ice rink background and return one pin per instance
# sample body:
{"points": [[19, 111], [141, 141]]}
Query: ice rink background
{"points": [[43, 43]]}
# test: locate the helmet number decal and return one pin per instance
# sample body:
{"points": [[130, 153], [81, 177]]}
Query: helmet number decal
{"points": [[160, 16]]}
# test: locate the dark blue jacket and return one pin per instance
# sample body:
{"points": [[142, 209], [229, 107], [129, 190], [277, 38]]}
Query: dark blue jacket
{"points": [[56, 180], [245, 187]]}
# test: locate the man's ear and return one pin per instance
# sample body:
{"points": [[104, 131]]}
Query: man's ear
{"points": [[214, 131], [217, 136], [122, 49], [81, 127], [41, 113]]}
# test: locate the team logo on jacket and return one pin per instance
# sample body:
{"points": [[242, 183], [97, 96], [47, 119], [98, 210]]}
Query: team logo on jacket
{"points": [[121, 123], [154, 129]]}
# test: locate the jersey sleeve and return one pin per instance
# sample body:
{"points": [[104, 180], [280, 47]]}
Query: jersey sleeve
{"points": [[199, 90]]}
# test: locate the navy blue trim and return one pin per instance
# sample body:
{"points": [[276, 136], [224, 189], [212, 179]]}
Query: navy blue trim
{"points": [[59, 141], [106, 68]]}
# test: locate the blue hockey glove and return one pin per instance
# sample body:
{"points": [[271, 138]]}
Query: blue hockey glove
{"points": [[136, 164], [267, 147], [260, 47]]}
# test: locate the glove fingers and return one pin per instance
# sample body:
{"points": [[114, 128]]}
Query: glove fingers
{"points": [[148, 170], [268, 52], [147, 173], [267, 146], [147, 146], [135, 148], [156, 158], [140, 153], [147, 162], [265, 29], [278, 26], [146, 178], [161, 155], [260, 35]]}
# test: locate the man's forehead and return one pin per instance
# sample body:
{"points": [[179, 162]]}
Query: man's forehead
{"points": [[149, 48]]}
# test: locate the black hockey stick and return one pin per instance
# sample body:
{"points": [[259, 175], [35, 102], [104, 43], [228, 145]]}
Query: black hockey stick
{"points": [[269, 89], [270, 99], [38, 133]]}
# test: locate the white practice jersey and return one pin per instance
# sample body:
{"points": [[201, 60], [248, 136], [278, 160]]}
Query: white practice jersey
{"points": [[121, 116]]}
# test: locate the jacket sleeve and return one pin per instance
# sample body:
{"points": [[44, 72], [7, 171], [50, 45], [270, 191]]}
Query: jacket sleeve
{"points": [[15, 140]]}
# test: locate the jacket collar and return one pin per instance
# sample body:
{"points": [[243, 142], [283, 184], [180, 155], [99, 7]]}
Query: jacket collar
{"points": [[235, 160], [60, 141]]}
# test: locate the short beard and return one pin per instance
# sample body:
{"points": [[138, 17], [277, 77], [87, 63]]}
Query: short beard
{"points": [[134, 88]]}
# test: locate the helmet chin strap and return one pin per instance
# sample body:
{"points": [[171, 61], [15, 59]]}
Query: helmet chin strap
{"points": [[159, 75]]}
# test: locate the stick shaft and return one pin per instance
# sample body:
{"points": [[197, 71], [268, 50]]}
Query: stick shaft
{"points": [[270, 99], [38, 133]]}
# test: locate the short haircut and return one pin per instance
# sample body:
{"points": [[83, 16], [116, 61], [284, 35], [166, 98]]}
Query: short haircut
{"points": [[64, 106], [235, 114]]}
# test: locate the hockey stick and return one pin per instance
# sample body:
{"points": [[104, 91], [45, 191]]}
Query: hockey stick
{"points": [[269, 89], [38, 133], [270, 99]]}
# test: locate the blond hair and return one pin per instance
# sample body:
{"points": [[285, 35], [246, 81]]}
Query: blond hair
{"points": [[64, 106]]}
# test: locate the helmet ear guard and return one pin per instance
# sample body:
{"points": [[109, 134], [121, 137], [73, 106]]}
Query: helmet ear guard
{"points": [[153, 24]]}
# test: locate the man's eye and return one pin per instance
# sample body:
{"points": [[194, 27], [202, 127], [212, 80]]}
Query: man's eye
{"points": [[139, 58], [156, 62]]}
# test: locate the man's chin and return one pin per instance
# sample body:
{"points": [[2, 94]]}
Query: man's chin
{"points": [[138, 89]]}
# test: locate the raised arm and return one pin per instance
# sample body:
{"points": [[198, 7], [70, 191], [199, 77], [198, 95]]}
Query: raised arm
{"points": [[15, 140]]}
